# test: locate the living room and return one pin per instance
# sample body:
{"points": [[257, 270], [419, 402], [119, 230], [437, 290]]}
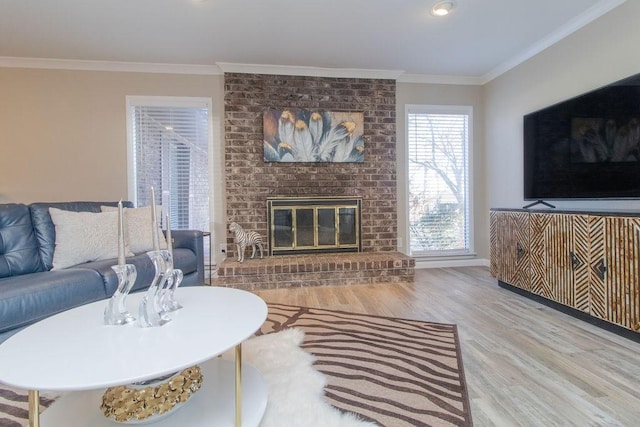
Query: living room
{"points": [[65, 132]]}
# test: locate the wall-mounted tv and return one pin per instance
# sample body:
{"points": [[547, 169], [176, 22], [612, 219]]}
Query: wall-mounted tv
{"points": [[587, 147]]}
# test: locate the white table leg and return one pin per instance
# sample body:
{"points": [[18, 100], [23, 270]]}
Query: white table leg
{"points": [[34, 408], [239, 385]]}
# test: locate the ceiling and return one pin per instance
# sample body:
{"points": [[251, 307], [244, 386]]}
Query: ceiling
{"points": [[479, 40]]}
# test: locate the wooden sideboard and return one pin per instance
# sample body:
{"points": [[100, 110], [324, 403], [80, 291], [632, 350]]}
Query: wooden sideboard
{"points": [[586, 261]]}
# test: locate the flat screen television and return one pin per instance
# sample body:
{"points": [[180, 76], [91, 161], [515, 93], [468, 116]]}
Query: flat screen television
{"points": [[587, 147]]}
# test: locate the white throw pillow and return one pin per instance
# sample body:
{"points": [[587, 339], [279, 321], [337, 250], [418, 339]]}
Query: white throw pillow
{"points": [[84, 236], [137, 228]]}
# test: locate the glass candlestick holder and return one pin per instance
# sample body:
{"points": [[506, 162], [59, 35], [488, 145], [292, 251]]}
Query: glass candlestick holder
{"points": [[151, 311], [116, 312], [174, 279]]}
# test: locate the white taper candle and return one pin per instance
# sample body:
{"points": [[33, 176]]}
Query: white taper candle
{"points": [[154, 221], [169, 242], [121, 260]]}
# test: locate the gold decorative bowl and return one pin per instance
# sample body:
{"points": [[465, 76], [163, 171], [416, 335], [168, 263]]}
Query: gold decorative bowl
{"points": [[147, 402]]}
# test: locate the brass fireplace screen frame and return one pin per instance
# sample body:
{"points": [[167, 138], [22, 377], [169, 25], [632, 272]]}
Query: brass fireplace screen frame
{"points": [[346, 225]]}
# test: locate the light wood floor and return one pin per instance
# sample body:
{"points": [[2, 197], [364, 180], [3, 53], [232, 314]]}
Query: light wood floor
{"points": [[525, 364]]}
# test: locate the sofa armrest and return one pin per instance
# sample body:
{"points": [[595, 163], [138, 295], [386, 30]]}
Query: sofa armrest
{"points": [[193, 240]]}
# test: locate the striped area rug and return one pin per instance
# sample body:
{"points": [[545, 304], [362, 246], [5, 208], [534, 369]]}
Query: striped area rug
{"points": [[393, 372]]}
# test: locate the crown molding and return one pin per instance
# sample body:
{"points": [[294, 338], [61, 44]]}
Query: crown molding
{"points": [[217, 69], [590, 15], [285, 70], [440, 79], [131, 67]]}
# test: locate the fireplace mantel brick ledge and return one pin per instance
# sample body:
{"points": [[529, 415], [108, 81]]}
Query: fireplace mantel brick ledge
{"points": [[315, 270]]}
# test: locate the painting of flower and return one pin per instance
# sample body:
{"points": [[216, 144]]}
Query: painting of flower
{"points": [[313, 136]]}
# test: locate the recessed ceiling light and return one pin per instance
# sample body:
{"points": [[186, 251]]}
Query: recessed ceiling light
{"points": [[443, 8]]}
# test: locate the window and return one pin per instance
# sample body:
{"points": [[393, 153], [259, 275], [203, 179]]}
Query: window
{"points": [[169, 150], [438, 180]]}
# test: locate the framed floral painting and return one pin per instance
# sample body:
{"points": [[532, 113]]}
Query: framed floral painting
{"points": [[313, 136]]}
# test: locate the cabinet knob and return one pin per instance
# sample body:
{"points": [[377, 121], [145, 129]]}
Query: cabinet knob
{"points": [[575, 261], [601, 269]]}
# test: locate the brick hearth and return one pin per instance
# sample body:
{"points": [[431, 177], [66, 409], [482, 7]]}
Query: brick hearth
{"points": [[315, 270]]}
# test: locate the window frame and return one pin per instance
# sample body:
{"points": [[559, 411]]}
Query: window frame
{"points": [[442, 109], [168, 101]]}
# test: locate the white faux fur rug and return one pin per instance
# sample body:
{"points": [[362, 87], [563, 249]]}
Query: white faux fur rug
{"points": [[296, 389]]}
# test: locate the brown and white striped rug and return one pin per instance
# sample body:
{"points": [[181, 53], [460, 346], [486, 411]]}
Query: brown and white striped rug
{"points": [[393, 372]]}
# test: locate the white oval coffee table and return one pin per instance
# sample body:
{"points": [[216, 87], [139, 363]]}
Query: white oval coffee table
{"points": [[75, 351]]}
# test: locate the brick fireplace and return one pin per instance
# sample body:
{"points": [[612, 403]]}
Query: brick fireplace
{"points": [[250, 181]]}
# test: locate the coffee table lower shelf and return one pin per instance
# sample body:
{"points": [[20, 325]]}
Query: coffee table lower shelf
{"points": [[212, 405]]}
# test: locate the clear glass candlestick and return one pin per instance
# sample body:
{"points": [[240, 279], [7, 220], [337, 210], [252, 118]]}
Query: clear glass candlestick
{"points": [[151, 311], [116, 312], [173, 281], [168, 281]]}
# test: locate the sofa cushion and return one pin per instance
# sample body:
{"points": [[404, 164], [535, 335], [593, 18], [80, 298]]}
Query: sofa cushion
{"points": [[18, 245], [31, 297], [138, 228], [44, 229], [84, 236], [183, 259]]}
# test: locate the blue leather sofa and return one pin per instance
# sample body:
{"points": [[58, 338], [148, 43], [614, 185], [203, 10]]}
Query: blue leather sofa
{"points": [[30, 291]]}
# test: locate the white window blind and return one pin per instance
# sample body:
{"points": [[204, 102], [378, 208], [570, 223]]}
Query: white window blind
{"points": [[439, 214], [170, 153]]}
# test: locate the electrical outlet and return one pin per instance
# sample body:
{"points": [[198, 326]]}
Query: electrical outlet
{"points": [[223, 248]]}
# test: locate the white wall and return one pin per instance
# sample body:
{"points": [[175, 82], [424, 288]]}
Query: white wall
{"points": [[606, 50]]}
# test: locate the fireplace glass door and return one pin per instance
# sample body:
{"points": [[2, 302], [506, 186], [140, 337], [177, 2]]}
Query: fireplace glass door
{"points": [[314, 225]]}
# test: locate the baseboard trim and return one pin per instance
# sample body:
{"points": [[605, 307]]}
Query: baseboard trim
{"points": [[618, 330], [444, 263]]}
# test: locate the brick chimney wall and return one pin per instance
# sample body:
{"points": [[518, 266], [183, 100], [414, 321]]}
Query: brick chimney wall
{"points": [[250, 180]]}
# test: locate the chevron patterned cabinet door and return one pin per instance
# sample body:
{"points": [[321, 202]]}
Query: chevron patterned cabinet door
{"points": [[620, 270], [559, 270], [541, 227], [580, 255], [522, 273], [512, 248], [598, 294]]}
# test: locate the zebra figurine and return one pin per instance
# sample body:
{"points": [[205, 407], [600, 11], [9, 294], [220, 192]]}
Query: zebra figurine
{"points": [[244, 238]]}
